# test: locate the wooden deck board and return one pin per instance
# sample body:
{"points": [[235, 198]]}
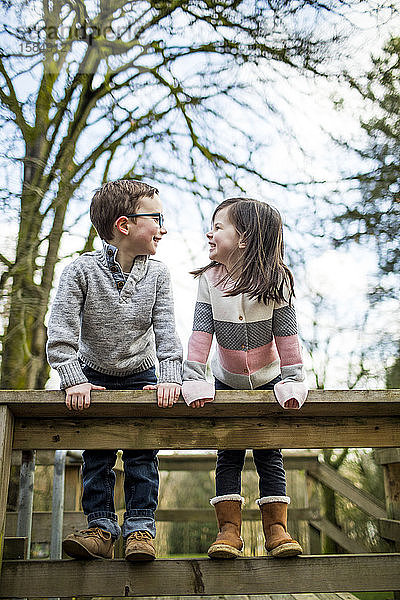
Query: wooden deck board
{"points": [[332, 596], [228, 403], [306, 574], [132, 419], [186, 433]]}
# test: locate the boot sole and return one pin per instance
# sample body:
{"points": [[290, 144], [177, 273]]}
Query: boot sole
{"points": [[223, 551], [139, 556], [76, 550], [285, 550]]}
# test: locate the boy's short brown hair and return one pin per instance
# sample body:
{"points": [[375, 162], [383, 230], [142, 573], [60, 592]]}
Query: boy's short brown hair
{"points": [[114, 199]]}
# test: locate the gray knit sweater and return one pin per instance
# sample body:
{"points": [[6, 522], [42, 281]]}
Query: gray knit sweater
{"points": [[115, 324]]}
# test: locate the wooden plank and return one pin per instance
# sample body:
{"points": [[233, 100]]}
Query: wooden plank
{"points": [[304, 597], [330, 596], [66, 578], [206, 515], [389, 529], [15, 548], [391, 475], [331, 478], [228, 403], [385, 456], [78, 432], [6, 437], [392, 489], [339, 596], [219, 597], [345, 596], [41, 523], [185, 461], [44, 457], [72, 487], [206, 462], [338, 536]]}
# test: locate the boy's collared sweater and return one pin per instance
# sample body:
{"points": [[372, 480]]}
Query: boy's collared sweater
{"points": [[255, 342], [114, 323]]}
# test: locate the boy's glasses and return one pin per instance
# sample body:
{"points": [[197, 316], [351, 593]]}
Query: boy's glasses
{"points": [[158, 216]]}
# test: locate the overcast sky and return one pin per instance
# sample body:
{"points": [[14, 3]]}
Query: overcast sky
{"points": [[342, 277]]}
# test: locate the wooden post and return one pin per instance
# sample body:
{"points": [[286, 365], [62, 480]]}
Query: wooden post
{"points": [[314, 535], [6, 437], [25, 497], [57, 505], [389, 458]]}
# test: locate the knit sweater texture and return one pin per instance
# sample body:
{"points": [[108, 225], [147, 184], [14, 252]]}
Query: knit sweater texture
{"points": [[113, 323], [255, 341]]}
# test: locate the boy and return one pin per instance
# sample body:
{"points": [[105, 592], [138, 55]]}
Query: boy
{"points": [[112, 313]]}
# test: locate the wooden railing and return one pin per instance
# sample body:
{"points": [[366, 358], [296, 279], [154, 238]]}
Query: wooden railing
{"points": [[312, 470], [39, 420]]}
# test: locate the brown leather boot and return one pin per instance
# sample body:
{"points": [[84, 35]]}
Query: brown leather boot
{"points": [[278, 542], [139, 546], [89, 543], [228, 544]]}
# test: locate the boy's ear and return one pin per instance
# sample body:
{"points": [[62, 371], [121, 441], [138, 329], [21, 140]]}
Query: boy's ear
{"points": [[122, 225]]}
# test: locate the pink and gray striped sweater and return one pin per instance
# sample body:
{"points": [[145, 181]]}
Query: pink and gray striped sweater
{"points": [[255, 342]]}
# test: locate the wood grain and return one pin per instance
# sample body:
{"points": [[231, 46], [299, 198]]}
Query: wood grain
{"points": [[307, 574], [192, 433], [228, 403]]}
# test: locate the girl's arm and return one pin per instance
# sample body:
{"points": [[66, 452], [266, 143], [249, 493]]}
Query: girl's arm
{"points": [[195, 386], [292, 391]]}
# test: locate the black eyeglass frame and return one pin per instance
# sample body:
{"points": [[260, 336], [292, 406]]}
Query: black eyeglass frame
{"points": [[160, 217]]}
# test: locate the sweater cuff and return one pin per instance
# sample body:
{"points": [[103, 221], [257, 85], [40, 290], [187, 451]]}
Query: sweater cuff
{"points": [[197, 390], [71, 374], [286, 390], [170, 371]]}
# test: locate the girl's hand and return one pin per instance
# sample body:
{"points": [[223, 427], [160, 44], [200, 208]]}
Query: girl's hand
{"points": [[292, 403], [167, 393], [77, 397], [198, 404], [291, 394]]}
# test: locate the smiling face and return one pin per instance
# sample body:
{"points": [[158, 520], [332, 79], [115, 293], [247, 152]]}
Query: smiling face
{"points": [[146, 233], [138, 236], [224, 241]]}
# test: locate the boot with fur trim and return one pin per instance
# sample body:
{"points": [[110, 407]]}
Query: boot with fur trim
{"points": [[278, 542], [228, 544]]}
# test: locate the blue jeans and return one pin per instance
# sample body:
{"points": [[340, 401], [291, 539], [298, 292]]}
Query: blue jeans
{"points": [[140, 470], [269, 464]]}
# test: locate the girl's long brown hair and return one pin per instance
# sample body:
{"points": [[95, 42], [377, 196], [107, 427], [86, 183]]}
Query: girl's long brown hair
{"points": [[260, 272]]}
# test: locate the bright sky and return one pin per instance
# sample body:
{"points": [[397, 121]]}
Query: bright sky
{"points": [[342, 277]]}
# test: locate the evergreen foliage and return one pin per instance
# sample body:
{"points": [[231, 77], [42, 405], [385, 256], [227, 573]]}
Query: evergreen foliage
{"points": [[375, 215]]}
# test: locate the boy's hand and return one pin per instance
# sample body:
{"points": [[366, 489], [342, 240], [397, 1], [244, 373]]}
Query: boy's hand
{"points": [[77, 397], [167, 393]]}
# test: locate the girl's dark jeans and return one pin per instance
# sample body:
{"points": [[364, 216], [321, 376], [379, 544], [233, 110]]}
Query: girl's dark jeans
{"points": [[269, 464], [140, 470]]}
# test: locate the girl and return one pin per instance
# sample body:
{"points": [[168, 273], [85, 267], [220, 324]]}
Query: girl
{"points": [[245, 298]]}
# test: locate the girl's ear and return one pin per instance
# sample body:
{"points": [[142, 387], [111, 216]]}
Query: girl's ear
{"points": [[122, 225]]}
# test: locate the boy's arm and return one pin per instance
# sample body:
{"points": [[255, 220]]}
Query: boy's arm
{"points": [[64, 328], [292, 391], [168, 345], [196, 389]]}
